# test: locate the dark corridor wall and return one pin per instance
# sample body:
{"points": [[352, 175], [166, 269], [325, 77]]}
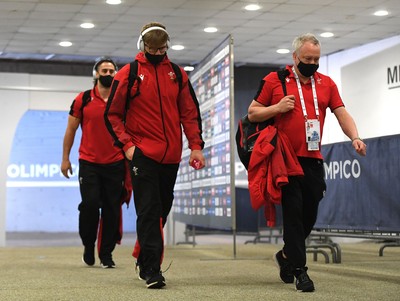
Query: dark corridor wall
{"points": [[246, 84]]}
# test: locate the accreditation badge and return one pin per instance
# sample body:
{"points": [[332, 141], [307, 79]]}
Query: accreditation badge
{"points": [[313, 134]]}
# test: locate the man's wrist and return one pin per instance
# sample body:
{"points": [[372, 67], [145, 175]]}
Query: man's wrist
{"points": [[356, 138]]}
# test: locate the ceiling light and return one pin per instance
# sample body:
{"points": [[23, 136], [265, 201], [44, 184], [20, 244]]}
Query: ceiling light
{"points": [[210, 29], [327, 34], [283, 51], [178, 47], [188, 68], [65, 44], [113, 2], [381, 13], [252, 7], [87, 25]]}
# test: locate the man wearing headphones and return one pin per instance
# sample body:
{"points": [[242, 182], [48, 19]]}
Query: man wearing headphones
{"points": [[149, 130], [101, 168]]}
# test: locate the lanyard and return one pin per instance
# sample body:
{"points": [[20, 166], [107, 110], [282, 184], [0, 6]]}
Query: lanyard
{"points": [[314, 92]]}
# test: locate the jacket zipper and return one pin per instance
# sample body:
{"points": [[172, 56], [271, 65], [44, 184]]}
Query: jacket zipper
{"points": [[162, 114]]}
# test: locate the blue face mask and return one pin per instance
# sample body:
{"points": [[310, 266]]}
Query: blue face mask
{"points": [[154, 58], [307, 70]]}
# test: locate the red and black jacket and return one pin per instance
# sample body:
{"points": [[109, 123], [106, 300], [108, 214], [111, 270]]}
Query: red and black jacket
{"points": [[154, 118]]}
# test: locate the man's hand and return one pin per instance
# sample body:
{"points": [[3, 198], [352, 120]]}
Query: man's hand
{"points": [[65, 167], [198, 156], [359, 146], [286, 104]]}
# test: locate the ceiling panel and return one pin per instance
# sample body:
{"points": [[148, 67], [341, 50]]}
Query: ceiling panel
{"points": [[37, 26]]}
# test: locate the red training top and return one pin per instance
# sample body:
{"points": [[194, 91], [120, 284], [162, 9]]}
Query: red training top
{"points": [[96, 143], [292, 123]]}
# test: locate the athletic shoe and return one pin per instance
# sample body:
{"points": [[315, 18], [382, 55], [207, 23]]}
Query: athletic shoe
{"points": [[303, 281], [285, 267], [155, 280], [107, 263], [88, 256]]}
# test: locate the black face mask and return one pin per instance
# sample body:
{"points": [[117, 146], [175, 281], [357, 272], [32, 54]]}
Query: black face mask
{"points": [[154, 58], [307, 69], [106, 80]]}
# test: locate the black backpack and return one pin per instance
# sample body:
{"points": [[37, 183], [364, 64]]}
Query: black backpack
{"points": [[131, 81], [248, 132]]}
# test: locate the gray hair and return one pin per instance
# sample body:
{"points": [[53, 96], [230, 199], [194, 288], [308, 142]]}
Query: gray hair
{"points": [[299, 41]]}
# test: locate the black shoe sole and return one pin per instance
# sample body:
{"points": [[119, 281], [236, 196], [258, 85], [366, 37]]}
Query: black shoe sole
{"points": [[107, 266], [306, 290]]}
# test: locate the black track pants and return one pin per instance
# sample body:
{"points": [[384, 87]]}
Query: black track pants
{"points": [[153, 192], [300, 200], [101, 189]]}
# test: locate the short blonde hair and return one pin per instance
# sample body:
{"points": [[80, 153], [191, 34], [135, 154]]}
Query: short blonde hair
{"points": [[155, 38]]}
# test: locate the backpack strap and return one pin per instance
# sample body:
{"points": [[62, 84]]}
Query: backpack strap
{"points": [[86, 98], [178, 73], [282, 73], [132, 78]]}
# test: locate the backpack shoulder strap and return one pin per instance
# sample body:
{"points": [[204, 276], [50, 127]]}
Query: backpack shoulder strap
{"points": [[178, 73], [282, 73], [86, 98], [132, 78]]}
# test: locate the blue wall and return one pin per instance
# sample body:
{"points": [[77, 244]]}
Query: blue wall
{"points": [[39, 198]]}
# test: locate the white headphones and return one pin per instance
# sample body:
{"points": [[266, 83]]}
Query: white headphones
{"points": [[140, 43]]}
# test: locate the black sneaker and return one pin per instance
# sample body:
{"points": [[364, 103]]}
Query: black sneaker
{"points": [[107, 263], [303, 281], [285, 267], [153, 279], [88, 255]]}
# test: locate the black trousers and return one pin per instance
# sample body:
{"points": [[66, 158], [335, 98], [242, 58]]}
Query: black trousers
{"points": [[101, 187], [153, 193], [300, 200]]}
